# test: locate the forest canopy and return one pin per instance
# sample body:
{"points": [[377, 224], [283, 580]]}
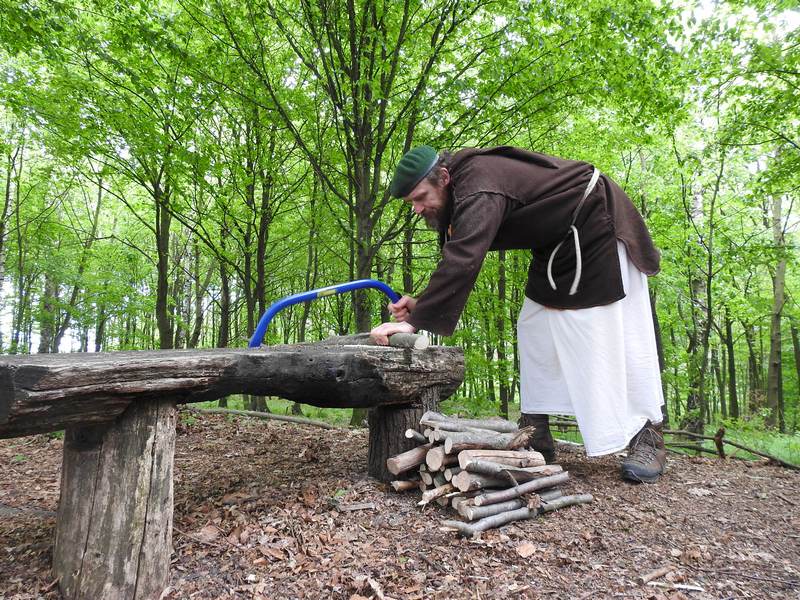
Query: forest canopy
{"points": [[171, 168]]}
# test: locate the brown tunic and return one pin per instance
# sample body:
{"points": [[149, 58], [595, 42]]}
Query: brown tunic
{"points": [[508, 198]]}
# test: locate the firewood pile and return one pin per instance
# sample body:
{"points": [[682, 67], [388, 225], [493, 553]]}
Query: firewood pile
{"points": [[483, 469]]}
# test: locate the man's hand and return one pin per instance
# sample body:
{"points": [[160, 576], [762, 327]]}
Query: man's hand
{"points": [[382, 332], [401, 309]]}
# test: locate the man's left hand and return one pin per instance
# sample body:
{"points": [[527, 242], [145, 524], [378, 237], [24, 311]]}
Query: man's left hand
{"points": [[382, 332]]}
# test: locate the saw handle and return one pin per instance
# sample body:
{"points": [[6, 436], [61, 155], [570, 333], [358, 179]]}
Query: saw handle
{"points": [[331, 290]]}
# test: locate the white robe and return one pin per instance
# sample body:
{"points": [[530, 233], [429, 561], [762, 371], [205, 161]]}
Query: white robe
{"points": [[599, 364]]}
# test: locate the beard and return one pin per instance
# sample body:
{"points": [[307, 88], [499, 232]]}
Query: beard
{"points": [[432, 221]]}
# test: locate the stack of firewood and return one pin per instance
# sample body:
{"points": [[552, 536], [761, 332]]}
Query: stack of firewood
{"points": [[482, 469]]}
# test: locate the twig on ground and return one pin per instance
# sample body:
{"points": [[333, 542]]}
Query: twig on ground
{"points": [[260, 415]]}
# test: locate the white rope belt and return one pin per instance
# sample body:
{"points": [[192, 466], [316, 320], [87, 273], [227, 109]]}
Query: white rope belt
{"points": [[576, 238]]}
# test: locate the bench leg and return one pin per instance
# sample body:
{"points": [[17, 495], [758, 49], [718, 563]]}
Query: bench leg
{"points": [[387, 426], [114, 524]]}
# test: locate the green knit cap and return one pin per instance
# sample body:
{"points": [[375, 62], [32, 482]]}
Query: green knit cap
{"points": [[415, 164]]}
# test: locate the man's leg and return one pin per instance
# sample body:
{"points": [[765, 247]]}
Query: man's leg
{"points": [[542, 386], [542, 440], [647, 455]]}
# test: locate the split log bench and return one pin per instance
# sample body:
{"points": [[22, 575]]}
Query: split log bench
{"points": [[118, 410]]}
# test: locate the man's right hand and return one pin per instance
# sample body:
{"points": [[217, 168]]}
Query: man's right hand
{"points": [[401, 310]]}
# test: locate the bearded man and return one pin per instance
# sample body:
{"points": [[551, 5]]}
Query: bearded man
{"points": [[585, 332]]}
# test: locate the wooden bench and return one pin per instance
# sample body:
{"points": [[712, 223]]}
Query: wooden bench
{"points": [[118, 410]]}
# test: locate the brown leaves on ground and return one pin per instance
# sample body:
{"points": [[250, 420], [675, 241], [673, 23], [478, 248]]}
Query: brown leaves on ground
{"points": [[272, 510]]}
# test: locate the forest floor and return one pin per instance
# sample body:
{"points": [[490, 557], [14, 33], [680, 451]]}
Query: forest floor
{"points": [[261, 512]]}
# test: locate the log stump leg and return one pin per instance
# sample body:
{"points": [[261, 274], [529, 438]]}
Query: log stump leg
{"points": [[114, 524], [387, 426]]}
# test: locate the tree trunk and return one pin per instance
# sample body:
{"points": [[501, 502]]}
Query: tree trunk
{"points": [[733, 398], [163, 221], [775, 367], [114, 525], [502, 367], [387, 425]]}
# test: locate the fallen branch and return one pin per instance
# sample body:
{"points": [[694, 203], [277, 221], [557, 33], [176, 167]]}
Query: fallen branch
{"points": [[259, 415], [515, 492], [470, 480], [498, 520], [440, 421], [512, 458], [642, 579], [698, 436]]}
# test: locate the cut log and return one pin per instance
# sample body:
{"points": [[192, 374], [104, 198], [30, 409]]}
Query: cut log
{"points": [[458, 500], [498, 520], [405, 485], [457, 441], [467, 481], [451, 472], [414, 341], [413, 434], [435, 419], [549, 494], [425, 475], [436, 492], [473, 513], [41, 393], [385, 425], [563, 502], [512, 458], [524, 488], [508, 474], [435, 458], [408, 459], [114, 524]]}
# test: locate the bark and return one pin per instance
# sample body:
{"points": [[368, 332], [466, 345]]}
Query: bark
{"points": [[437, 492], [114, 525], [733, 397], [515, 492], [502, 369], [438, 420], [796, 348], [47, 393], [414, 341], [498, 520], [457, 441], [386, 424], [512, 458], [161, 197], [407, 460], [466, 481], [775, 367]]}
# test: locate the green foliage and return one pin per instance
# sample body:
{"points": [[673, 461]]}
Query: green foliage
{"points": [[240, 151]]}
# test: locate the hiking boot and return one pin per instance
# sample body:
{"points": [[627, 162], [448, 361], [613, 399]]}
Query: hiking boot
{"points": [[542, 440], [646, 455]]}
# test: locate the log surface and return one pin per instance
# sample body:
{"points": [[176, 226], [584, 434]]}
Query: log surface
{"points": [[114, 525], [40, 393]]}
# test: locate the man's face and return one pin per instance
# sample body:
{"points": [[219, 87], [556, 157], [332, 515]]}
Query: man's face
{"points": [[429, 200]]}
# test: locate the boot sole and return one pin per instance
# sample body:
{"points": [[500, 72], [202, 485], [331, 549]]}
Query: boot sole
{"points": [[629, 475]]}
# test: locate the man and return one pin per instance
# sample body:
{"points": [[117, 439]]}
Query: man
{"points": [[586, 338]]}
